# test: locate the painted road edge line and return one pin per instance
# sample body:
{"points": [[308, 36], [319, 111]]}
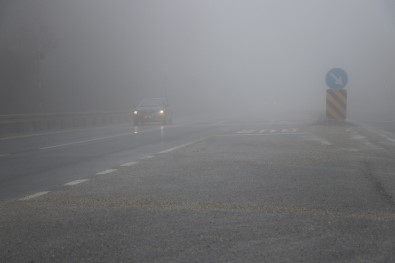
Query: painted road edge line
{"points": [[80, 181], [129, 164], [262, 134], [34, 196], [106, 171], [179, 147], [86, 141]]}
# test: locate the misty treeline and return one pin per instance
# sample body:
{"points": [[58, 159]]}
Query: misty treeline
{"points": [[28, 42]]}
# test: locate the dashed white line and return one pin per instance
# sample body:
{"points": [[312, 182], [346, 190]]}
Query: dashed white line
{"points": [[284, 130], [80, 181], [262, 131], [128, 164], [34, 195], [294, 130], [272, 131], [4, 154], [106, 171]]}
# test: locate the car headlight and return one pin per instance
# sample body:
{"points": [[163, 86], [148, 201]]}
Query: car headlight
{"points": [[161, 112], [135, 112]]}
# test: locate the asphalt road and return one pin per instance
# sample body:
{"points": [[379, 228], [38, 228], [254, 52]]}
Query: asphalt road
{"points": [[208, 192], [43, 161]]}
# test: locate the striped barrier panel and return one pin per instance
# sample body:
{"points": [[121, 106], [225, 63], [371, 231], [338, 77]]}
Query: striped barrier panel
{"points": [[336, 104]]}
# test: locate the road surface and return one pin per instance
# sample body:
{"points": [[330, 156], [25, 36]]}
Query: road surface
{"points": [[204, 192]]}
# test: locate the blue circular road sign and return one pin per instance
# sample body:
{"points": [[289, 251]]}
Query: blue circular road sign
{"points": [[336, 78]]}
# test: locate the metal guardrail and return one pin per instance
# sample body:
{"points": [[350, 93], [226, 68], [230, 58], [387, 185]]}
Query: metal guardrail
{"points": [[30, 123]]}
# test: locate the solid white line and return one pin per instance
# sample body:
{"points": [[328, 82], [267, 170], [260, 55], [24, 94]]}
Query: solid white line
{"points": [[129, 164], [372, 145], [358, 137], [76, 182], [176, 148], [351, 149], [106, 171], [35, 134], [388, 138], [34, 196], [61, 132], [261, 134], [85, 141], [246, 131]]}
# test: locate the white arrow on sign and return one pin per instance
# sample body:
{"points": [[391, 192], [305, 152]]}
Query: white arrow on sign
{"points": [[338, 80]]}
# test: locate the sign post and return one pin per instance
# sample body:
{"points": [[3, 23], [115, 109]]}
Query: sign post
{"points": [[336, 95]]}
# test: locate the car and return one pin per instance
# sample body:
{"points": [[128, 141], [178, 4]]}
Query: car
{"points": [[152, 110]]}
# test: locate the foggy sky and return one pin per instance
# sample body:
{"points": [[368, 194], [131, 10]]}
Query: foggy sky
{"points": [[224, 56]]}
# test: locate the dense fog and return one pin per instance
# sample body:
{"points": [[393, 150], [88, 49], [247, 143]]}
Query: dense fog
{"points": [[219, 59]]}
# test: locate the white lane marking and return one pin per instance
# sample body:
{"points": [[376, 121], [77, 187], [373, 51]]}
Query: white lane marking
{"points": [[272, 131], [177, 147], [61, 132], [356, 136], [320, 140], [324, 142], [387, 137], [4, 154], [294, 130], [246, 131], [284, 130], [85, 141], [34, 196], [147, 157], [106, 171], [35, 134], [80, 181], [372, 145], [261, 134], [262, 131], [128, 164], [382, 133]]}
